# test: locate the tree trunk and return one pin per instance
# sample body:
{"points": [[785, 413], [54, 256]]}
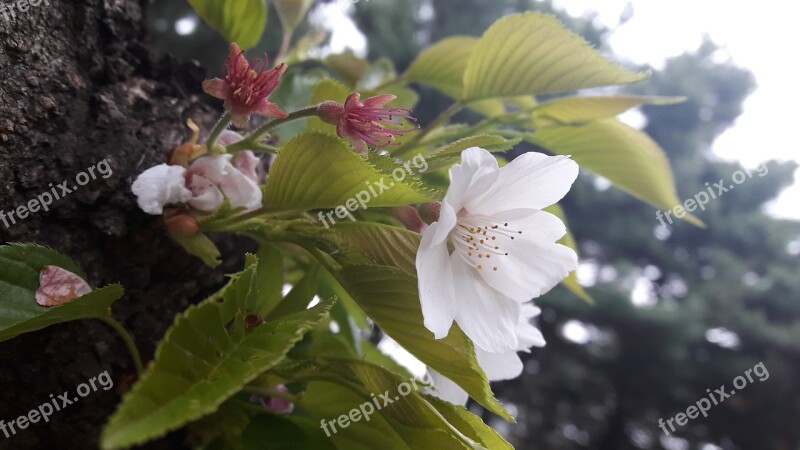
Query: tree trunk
{"points": [[78, 86]]}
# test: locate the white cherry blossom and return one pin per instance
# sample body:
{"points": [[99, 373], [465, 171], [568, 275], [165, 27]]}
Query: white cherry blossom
{"points": [[493, 248], [204, 185]]}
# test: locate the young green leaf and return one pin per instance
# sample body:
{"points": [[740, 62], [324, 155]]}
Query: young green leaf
{"points": [[206, 357], [269, 282], [269, 431], [200, 246], [442, 66], [470, 424], [316, 170], [398, 400], [240, 21], [383, 245], [629, 158], [532, 54], [450, 154], [20, 265], [575, 110], [325, 400]]}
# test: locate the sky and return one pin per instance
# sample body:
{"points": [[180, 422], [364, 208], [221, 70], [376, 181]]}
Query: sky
{"points": [[756, 36]]}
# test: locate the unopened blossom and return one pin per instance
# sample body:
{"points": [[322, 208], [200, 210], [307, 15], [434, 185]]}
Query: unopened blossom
{"points": [[275, 404], [493, 248], [204, 185], [497, 366], [58, 286], [246, 87], [367, 124]]}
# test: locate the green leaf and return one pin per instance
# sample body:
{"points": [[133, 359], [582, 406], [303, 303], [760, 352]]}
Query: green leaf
{"points": [[349, 67], [205, 358], [626, 156], [574, 110], [269, 282], [300, 296], [268, 431], [200, 246], [469, 424], [223, 429], [240, 21], [532, 54], [327, 401], [20, 265], [383, 245], [409, 412], [450, 154], [316, 170], [390, 297], [571, 282], [442, 66], [292, 12]]}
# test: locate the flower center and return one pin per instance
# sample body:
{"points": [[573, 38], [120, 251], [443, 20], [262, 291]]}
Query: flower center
{"points": [[482, 242]]}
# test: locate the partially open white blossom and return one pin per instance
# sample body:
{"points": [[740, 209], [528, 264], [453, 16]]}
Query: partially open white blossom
{"points": [[493, 248], [159, 186], [204, 185], [497, 366]]}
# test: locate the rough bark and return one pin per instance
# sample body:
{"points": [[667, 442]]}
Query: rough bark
{"points": [[77, 85]]}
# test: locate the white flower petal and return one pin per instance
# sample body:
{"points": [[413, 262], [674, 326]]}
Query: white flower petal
{"points": [[206, 195], [532, 181], [436, 290], [518, 251], [475, 174], [241, 190], [448, 390], [485, 315], [528, 335], [499, 366], [447, 221], [247, 163], [213, 168], [159, 186]]}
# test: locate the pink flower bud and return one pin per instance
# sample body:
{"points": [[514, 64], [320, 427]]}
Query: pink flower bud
{"points": [[365, 123]]}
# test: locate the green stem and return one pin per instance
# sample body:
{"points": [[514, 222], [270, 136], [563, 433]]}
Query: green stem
{"points": [[439, 121], [128, 339], [221, 125], [255, 137], [285, 43]]}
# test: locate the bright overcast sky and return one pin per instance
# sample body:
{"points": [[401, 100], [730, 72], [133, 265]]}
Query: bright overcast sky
{"points": [[756, 35]]}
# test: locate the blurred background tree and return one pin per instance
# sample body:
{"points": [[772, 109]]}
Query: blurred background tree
{"points": [[678, 310]]}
